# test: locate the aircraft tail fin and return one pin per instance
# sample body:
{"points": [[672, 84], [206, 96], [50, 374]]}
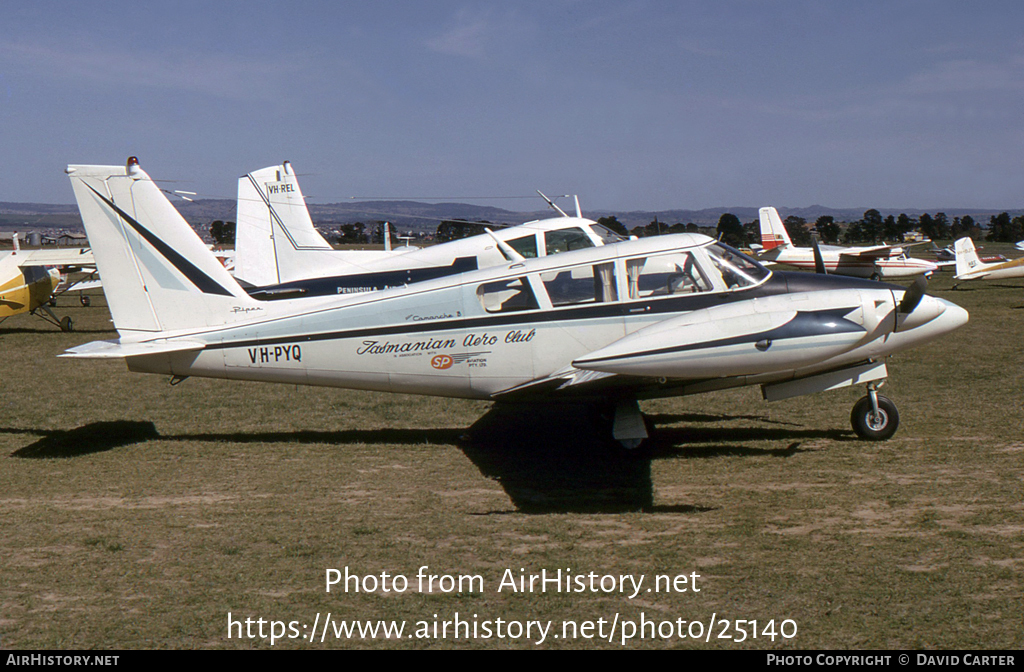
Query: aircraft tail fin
{"points": [[966, 257], [773, 233], [273, 227], [157, 273]]}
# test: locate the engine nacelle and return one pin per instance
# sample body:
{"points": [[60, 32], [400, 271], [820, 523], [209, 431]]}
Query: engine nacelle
{"points": [[762, 335]]}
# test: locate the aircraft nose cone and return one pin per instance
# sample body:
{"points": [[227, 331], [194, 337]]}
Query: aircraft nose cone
{"points": [[937, 315], [953, 316]]}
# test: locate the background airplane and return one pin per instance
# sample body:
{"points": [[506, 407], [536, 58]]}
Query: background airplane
{"points": [[608, 325], [279, 253], [969, 267], [876, 262], [27, 287]]}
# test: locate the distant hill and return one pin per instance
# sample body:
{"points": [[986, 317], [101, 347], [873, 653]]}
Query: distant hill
{"points": [[417, 216]]}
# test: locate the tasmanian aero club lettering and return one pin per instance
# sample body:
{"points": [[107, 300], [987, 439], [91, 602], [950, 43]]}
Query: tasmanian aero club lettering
{"points": [[387, 347]]}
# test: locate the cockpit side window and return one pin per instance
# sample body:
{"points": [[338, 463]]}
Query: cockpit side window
{"points": [[526, 246], [506, 296], [665, 275], [565, 240]]}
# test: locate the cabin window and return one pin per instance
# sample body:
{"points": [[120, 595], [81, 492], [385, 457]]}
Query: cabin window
{"points": [[665, 275], [583, 284], [526, 246], [565, 240], [506, 296], [737, 269]]}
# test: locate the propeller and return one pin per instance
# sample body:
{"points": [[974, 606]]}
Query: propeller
{"points": [[913, 295], [819, 263]]}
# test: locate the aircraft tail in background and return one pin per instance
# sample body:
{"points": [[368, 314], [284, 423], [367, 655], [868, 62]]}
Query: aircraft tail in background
{"points": [[966, 257], [272, 224], [773, 233]]}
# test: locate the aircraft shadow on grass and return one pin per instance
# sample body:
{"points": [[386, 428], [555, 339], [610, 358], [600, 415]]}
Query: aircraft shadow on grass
{"points": [[548, 460], [559, 460], [97, 437]]}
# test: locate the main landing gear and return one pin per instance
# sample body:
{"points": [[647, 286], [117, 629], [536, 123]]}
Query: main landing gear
{"points": [[875, 417], [629, 428], [63, 323]]}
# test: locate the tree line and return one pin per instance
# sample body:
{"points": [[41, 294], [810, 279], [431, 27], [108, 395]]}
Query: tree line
{"points": [[872, 228]]}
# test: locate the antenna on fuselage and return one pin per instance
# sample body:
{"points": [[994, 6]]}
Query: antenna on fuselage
{"points": [[505, 247], [552, 204]]}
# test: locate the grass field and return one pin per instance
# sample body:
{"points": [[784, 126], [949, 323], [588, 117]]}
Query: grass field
{"points": [[135, 514]]}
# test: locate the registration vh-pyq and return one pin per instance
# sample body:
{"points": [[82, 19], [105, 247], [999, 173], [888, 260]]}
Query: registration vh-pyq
{"points": [[665, 316]]}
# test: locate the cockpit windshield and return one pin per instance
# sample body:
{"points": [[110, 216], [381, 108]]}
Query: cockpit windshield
{"points": [[606, 235], [737, 269]]}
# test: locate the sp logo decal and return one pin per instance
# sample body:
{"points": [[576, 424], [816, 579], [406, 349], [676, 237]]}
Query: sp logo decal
{"points": [[442, 362]]}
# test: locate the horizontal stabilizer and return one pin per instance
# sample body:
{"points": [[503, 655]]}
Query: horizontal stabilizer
{"points": [[119, 350]]}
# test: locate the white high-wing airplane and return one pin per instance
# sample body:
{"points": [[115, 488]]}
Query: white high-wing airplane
{"points": [[879, 261], [279, 254], [663, 316], [969, 267]]}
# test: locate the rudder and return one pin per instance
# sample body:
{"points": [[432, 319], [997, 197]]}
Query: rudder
{"points": [[157, 273]]}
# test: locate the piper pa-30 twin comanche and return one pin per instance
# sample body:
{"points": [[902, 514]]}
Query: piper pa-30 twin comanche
{"points": [[877, 262], [279, 254], [664, 316]]}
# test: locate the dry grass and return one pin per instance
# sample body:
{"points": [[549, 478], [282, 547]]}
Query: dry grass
{"points": [[137, 515]]}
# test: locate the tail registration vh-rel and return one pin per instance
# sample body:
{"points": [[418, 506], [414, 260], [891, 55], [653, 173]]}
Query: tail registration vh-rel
{"points": [[658, 317]]}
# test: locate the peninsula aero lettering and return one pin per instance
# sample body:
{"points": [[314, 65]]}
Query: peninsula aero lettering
{"points": [[604, 325]]}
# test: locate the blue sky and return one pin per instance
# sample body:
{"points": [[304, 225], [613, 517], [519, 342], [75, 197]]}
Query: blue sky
{"points": [[631, 104]]}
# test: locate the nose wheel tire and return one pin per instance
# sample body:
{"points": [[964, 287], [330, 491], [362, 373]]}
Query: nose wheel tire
{"points": [[873, 426]]}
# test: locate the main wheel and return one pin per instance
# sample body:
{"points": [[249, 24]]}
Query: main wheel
{"points": [[876, 276], [874, 427], [66, 324], [85, 300]]}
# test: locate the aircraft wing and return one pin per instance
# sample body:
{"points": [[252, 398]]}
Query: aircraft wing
{"points": [[63, 257], [83, 285], [863, 253], [119, 350]]}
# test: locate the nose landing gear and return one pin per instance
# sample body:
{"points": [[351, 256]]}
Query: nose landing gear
{"points": [[875, 417]]}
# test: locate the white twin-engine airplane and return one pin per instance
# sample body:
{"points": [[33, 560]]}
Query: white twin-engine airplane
{"points": [[658, 317], [279, 254], [879, 261], [969, 267]]}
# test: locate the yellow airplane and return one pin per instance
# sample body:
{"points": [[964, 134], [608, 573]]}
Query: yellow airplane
{"points": [[26, 286]]}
